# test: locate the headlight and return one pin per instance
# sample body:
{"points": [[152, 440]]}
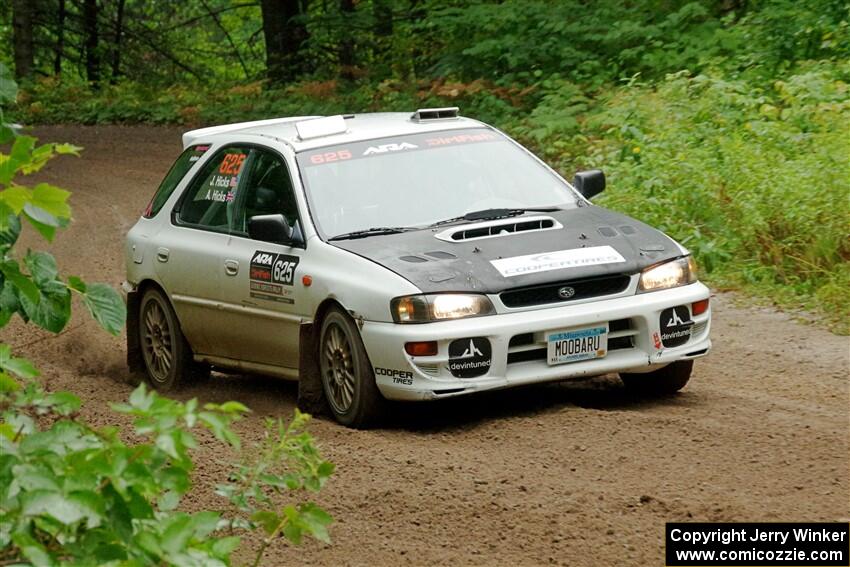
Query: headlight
{"points": [[439, 307], [681, 271]]}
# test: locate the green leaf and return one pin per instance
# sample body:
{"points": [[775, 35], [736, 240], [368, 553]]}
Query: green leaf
{"points": [[64, 403], [15, 197], [177, 533], [9, 303], [76, 284], [11, 230], [63, 149], [53, 309], [20, 366], [223, 547], [316, 520], [8, 384], [53, 505], [106, 306], [32, 549], [267, 519], [42, 267], [8, 86], [52, 200], [24, 285], [233, 407], [47, 231]]}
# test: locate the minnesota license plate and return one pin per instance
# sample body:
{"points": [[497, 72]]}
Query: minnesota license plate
{"points": [[572, 345]]}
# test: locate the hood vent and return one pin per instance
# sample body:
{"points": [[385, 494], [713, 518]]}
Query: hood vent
{"points": [[502, 227]]}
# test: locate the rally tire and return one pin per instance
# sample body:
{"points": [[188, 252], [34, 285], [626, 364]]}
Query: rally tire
{"points": [[167, 357], [663, 382], [348, 381]]}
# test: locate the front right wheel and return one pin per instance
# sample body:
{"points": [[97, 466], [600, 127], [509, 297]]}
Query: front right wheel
{"points": [[347, 377], [662, 382]]}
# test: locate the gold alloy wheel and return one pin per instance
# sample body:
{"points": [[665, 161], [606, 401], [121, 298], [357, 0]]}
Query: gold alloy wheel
{"points": [[337, 365], [157, 340]]}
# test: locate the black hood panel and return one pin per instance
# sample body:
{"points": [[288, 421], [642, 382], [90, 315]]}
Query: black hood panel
{"points": [[434, 265]]}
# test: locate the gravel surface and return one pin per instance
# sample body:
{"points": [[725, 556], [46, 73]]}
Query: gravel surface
{"points": [[576, 473]]}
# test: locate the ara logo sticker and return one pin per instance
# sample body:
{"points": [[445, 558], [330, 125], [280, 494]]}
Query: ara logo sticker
{"points": [[470, 357], [382, 149], [273, 268], [675, 324]]}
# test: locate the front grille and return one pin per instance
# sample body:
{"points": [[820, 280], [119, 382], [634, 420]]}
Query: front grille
{"points": [[548, 293]]}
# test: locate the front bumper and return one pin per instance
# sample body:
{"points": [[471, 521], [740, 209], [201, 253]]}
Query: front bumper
{"points": [[633, 345]]}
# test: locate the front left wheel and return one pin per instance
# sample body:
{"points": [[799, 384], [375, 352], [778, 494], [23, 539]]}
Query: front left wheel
{"points": [[347, 377], [168, 358]]}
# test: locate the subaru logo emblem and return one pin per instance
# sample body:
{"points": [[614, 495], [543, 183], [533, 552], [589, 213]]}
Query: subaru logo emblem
{"points": [[566, 292]]}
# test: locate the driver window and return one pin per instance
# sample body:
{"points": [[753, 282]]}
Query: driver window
{"points": [[267, 191]]}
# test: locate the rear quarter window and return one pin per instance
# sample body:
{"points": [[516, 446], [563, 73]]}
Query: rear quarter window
{"points": [[172, 179]]}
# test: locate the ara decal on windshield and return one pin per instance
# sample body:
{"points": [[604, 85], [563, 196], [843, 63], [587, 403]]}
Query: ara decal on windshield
{"points": [[384, 148]]}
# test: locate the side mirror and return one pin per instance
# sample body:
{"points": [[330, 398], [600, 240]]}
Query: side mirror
{"points": [[274, 228], [589, 183]]}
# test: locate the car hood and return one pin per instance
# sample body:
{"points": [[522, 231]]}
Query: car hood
{"points": [[590, 242]]}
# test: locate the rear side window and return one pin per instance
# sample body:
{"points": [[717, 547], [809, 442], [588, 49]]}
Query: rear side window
{"points": [[209, 201], [183, 164]]}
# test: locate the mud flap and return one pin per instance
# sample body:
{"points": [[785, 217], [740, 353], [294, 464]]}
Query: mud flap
{"points": [[311, 398], [135, 362]]}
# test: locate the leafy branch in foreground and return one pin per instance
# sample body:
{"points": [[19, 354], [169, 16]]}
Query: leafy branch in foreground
{"points": [[74, 494]]}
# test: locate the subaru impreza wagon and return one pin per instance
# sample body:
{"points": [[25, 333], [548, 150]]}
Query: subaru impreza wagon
{"points": [[399, 256]]}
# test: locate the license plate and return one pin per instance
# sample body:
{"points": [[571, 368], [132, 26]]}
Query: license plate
{"points": [[572, 345]]}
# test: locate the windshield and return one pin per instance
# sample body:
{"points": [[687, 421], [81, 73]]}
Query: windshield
{"points": [[421, 179]]}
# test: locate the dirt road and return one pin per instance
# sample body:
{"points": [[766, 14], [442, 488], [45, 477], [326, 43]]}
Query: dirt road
{"points": [[576, 473]]}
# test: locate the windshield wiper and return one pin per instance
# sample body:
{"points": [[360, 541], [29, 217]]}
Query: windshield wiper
{"points": [[374, 231], [491, 214]]}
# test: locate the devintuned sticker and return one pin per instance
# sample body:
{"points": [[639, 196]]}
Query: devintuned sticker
{"points": [[676, 325], [557, 260], [470, 357]]}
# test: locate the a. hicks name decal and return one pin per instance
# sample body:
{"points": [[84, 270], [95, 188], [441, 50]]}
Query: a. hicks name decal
{"points": [[676, 326], [272, 276], [470, 357], [557, 260]]}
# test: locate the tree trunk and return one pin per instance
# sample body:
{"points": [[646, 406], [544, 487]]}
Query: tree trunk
{"points": [[116, 48], [22, 31], [92, 49], [60, 39], [284, 38], [346, 44]]}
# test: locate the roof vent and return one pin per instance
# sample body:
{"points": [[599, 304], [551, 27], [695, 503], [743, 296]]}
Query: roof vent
{"points": [[495, 229], [320, 127], [426, 114]]}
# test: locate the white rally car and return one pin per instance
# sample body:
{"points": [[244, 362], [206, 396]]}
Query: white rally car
{"points": [[399, 256]]}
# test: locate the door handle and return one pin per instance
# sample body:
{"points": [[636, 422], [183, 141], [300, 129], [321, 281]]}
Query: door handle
{"points": [[162, 254], [231, 267]]}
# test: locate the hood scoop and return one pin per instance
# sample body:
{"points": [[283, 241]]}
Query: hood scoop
{"points": [[496, 228]]}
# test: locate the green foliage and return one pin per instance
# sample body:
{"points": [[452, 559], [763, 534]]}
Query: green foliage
{"points": [[74, 494], [755, 181]]}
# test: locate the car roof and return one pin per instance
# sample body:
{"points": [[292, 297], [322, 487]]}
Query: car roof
{"points": [[357, 127]]}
